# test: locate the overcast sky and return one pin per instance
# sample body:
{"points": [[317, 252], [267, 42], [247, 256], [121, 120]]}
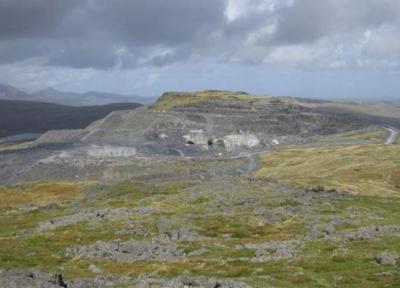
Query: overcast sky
{"points": [[310, 48]]}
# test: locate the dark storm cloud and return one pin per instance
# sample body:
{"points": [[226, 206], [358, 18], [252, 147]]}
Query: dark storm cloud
{"points": [[103, 34], [32, 18], [90, 33], [157, 21]]}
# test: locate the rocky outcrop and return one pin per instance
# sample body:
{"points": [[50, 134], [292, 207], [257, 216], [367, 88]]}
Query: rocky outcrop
{"points": [[94, 216], [274, 250], [208, 123], [21, 278], [31, 278], [187, 281], [386, 258], [130, 251]]}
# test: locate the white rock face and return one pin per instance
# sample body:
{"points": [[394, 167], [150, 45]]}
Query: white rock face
{"points": [[231, 142], [198, 137], [275, 141], [247, 140], [110, 152], [90, 155]]}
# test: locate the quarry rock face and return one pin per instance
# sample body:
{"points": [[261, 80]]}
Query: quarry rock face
{"points": [[205, 123]]}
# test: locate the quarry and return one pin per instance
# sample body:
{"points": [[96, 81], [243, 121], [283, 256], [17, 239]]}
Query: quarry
{"points": [[199, 144], [204, 189]]}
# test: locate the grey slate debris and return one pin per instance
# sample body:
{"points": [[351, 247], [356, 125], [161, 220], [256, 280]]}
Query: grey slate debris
{"points": [[187, 281], [386, 258], [24, 278]]}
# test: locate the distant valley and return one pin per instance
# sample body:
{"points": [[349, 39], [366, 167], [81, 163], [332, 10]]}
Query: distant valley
{"points": [[18, 117]]}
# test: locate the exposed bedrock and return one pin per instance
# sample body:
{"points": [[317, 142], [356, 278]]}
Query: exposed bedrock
{"points": [[204, 126]]}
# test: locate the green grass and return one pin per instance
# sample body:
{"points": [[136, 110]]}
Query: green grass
{"points": [[248, 229], [352, 265], [200, 200], [171, 100], [365, 170], [376, 137], [38, 194], [227, 225]]}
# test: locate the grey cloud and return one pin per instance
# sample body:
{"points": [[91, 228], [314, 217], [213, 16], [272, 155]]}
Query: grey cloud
{"points": [[83, 55], [103, 34], [158, 21], [310, 20], [89, 33], [33, 18]]}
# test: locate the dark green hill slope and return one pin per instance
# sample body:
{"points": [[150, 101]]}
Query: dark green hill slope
{"points": [[36, 117]]}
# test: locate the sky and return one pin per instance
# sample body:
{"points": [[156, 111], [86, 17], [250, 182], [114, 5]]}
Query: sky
{"points": [[308, 48]]}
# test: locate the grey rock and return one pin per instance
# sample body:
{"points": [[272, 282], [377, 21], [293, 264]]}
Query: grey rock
{"points": [[94, 269], [187, 281], [94, 216], [386, 258], [274, 250], [367, 233], [130, 251], [31, 278], [329, 229], [182, 234]]}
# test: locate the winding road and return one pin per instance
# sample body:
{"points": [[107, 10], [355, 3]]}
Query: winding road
{"points": [[252, 163], [393, 136]]}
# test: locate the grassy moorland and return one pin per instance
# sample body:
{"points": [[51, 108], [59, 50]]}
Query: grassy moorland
{"points": [[372, 170], [266, 231], [377, 136]]}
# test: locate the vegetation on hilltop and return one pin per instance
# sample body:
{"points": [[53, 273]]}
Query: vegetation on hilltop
{"points": [[171, 100]]}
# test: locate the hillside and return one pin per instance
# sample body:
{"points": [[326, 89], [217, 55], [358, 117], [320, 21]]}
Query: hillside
{"points": [[379, 113], [17, 117], [101, 217], [204, 189], [210, 123], [11, 93]]}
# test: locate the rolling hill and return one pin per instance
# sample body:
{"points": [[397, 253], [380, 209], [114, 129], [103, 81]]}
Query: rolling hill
{"points": [[51, 95], [87, 98], [18, 117], [378, 113]]}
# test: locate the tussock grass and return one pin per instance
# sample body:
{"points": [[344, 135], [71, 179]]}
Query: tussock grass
{"points": [[37, 194], [372, 170], [351, 265], [376, 136], [320, 264]]}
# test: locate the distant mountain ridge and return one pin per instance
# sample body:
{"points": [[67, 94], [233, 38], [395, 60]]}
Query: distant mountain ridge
{"points": [[52, 95], [11, 93]]}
